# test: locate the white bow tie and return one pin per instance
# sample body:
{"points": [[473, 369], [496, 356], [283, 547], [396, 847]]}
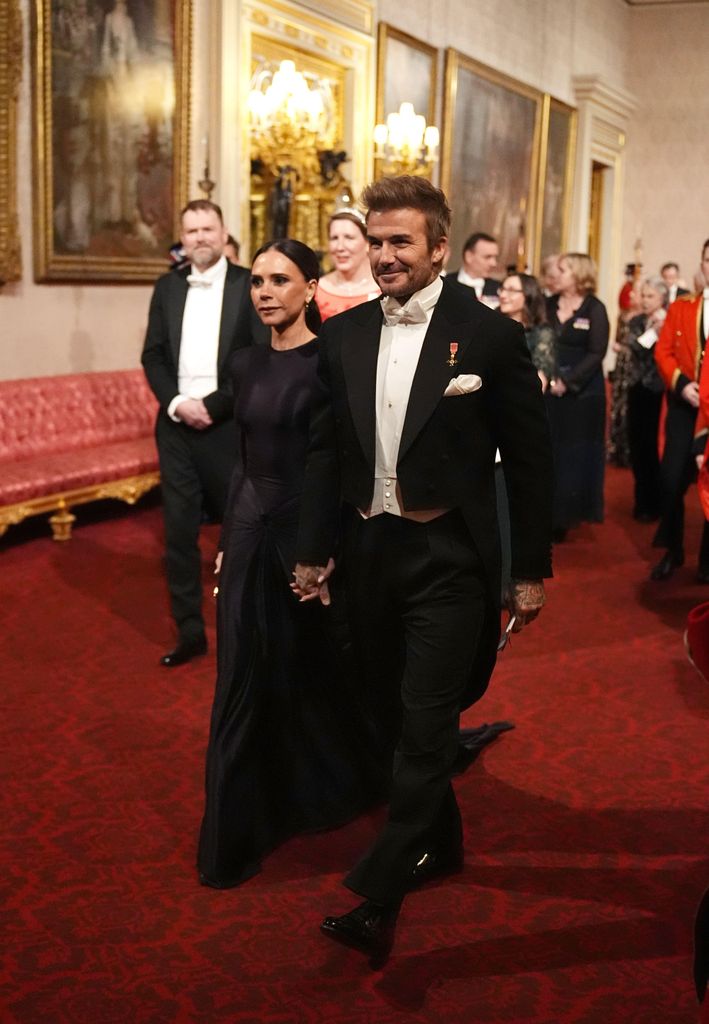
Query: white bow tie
{"points": [[198, 282], [411, 313]]}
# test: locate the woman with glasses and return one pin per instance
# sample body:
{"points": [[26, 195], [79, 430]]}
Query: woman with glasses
{"points": [[577, 403], [522, 300]]}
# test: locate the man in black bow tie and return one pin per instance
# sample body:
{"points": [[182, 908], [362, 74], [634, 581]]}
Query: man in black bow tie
{"points": [[419, 390], [198, 316]]}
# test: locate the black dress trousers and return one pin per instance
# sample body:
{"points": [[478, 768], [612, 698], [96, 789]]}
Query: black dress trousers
{"points": [[416, 602], [195, 469]]}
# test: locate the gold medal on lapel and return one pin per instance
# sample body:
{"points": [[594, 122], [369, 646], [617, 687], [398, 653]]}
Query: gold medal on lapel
{"points": [[453, 347]]}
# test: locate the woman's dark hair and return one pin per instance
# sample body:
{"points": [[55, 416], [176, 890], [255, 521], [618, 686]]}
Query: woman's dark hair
{"points": [[307, 263], [534, 303]]}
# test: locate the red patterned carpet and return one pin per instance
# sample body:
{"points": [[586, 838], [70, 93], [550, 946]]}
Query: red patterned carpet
{"points": [[586, 827]]}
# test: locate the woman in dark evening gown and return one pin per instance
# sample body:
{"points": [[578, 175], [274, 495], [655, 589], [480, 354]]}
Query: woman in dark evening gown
{"points": [[576, 397], [290, 749]]}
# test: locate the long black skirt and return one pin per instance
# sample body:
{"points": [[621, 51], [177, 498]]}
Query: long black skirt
{"points": [[291, 748]]}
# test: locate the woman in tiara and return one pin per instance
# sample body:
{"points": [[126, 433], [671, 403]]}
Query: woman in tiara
{"points": [[351, 281]]}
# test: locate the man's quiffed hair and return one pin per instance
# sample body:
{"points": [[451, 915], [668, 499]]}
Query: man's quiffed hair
{"points": [[203, 204], [407, 191]]}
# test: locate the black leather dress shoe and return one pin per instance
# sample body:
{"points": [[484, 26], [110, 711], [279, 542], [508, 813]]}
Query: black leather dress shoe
{"points": [[185, 651], [666, 566], [368, 928], [437, 864]]}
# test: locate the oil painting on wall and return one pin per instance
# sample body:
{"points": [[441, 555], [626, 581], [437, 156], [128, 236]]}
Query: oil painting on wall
{"points": [[491, 139], [111, 89]]}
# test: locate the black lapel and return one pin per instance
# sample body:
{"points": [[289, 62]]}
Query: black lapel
{"points": [[176, 310], [361, 332], [234, 284], [452, 322]]}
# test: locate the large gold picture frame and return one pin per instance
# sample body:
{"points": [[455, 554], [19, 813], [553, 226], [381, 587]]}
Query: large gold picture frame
{"points": [[489, 168], [556, 169], [111, 86], [10, 74], [407, 72]]}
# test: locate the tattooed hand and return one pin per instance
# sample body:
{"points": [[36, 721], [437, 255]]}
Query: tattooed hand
{"points": [[525, 599]]}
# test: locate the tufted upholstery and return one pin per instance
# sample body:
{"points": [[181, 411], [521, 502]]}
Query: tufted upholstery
{"points": [[42, 415], [67, 432]]}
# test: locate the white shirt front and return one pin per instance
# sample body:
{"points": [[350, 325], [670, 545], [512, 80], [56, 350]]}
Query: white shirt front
{"points": [[399, 351], [199, 342], [478, 283], [705, 313]]}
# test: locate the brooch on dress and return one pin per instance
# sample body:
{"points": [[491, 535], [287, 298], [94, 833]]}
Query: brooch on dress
{"points": [[453, 348]]}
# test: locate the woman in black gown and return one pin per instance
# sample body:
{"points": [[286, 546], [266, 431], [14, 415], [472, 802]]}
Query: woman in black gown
{"points": [[290, 750], [576, 400]]}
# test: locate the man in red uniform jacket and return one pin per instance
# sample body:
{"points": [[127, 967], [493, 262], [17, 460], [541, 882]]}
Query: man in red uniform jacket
{"points": [[678, 353]]}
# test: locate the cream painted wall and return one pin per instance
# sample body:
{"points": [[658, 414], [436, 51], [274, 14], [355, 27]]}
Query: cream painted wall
{"points": [[540, 42], [667, 174]]}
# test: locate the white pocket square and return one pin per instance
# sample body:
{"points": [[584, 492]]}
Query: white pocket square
{"points": [[463, 385]]}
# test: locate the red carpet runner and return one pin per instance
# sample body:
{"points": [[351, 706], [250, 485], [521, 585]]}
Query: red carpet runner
{"points": [[586, 827]]}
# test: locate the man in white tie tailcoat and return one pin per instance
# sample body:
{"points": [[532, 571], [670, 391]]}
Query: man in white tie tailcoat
{"points": [[198, 317], [420, 388]]}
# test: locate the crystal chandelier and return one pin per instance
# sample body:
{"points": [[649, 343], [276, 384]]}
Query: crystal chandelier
{"points": [[291, 117]]}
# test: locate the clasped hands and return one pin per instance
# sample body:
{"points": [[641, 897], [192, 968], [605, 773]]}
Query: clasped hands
{"points": [[194, 413], [310, 581]]}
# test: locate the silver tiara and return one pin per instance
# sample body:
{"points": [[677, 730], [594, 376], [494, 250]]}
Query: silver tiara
{"points": [[357, 214]]}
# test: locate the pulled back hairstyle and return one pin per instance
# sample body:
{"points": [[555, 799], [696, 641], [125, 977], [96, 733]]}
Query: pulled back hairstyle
{"points": [[353, 218], [307, 263]]}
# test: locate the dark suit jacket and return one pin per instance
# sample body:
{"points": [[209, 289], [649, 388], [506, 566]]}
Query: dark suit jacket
{"points": [[161, 352], [447, 450]]}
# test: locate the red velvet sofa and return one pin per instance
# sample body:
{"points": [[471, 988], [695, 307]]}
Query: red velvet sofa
{"points": [[71, 439]]}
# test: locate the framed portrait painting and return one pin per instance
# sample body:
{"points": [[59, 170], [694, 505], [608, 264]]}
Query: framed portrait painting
{"points": [[555, 179], [407, 72], [491, 131], [111, 112]]}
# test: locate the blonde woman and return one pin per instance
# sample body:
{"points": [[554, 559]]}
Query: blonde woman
{"points": [[577, 404]]}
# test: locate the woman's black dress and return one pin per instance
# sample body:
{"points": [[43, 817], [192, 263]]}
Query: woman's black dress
{"points": [[578, 419], [290, 749], [645, 393]]}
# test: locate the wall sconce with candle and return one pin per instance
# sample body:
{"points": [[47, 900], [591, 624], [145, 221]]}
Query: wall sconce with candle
{"points": [[406, 144]]}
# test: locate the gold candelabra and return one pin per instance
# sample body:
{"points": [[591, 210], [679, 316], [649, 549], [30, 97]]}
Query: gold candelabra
{"points": [[405, 144]]}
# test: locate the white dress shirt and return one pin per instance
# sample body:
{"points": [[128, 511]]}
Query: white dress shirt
{"points": [[705, 313], [199, 343], [478, 283], [399, 351]]}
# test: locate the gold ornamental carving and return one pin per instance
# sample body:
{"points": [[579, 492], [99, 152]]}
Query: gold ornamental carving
{"points": [[10, 76]]}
